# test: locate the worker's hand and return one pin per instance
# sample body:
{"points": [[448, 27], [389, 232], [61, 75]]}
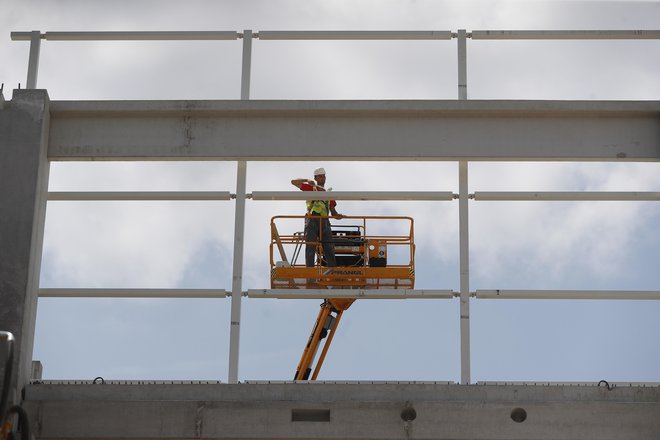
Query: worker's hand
{"points": [[338, 215]]}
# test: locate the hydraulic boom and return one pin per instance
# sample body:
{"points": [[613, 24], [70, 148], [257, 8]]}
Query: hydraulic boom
{"points": [[324, 328]]}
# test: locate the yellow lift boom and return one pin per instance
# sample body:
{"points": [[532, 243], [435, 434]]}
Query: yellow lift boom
{"points": [[324, 328]]}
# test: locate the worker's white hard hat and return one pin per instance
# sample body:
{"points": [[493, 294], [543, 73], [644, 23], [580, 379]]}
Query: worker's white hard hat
{"points": [[319, 172]]}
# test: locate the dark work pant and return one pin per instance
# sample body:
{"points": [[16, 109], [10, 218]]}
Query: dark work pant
{"points": [[318, 229]]}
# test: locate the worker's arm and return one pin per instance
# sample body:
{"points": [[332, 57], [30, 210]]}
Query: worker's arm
{"points": [[298, 183], [307, 185], [333, 210]]}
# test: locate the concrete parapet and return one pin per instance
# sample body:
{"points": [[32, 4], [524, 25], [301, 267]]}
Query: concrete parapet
{"points": [[340, 411]]}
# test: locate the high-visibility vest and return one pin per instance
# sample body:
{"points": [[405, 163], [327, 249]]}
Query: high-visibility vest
{"points": [[319, 207]]}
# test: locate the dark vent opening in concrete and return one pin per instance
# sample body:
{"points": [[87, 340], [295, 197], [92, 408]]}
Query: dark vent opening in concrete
{"points": [[310, 415], [518, 415], [408, 414]]}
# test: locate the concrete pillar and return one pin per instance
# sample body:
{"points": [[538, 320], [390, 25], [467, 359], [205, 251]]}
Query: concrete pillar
{"points": [[24, 125]]}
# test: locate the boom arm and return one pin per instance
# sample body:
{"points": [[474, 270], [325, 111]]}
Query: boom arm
{"points": [[325, 326]]}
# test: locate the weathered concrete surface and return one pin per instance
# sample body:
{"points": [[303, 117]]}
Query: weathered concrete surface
{"points": [[24, 124], [353, 411], [350, 130]]}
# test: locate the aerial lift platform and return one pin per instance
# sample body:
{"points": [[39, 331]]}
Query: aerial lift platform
{"points": [[372, 252]]}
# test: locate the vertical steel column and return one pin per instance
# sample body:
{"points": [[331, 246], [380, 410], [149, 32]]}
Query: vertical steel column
{"points": [[239, 228], [464, 225], [464, 244], [247, 64], [33, 63], [462, 63], [237, 278]]}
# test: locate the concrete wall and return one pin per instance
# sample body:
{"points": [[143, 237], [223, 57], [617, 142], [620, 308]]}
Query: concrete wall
{"points": [[343, 411], [24, 124]]}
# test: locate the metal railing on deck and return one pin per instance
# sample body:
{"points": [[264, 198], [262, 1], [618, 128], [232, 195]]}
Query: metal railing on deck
{"points": [[35, 37]]}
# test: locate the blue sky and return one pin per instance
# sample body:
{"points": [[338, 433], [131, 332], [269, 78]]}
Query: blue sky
{"points": [[568, 245]]}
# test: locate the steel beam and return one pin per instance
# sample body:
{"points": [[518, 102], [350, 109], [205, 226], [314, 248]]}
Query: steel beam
{"points": [[567, 294], [129, 35], [130, 293], [355, 35], [33, 61], [137, 195], [567, 35], [237, 272], [464, 224], [464, 263], [355, 130], [350, 293], [353, 195], [585, 196], [246, 65], [239, 227], [462, 63]]}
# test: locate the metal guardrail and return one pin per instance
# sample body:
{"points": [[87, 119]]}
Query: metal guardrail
{"points": [[499, 196], [130, 293], [567, 294], [63, 292], [584, 196], [35, 37], [566, 35], [137, 195], [351, 293], [352, 195], [128, 36]]}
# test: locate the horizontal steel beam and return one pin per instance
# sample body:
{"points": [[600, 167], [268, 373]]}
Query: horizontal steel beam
{"points": [[346, 293], [129, 35], [566, 35], [130, 293], [350, 293], [594, 196], [567, 294], [355, 35], [355, 130], [352, 195], [346, 35], [137, 195]]}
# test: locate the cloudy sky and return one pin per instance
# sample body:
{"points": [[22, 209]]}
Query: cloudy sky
{"points": [[514, 245]]}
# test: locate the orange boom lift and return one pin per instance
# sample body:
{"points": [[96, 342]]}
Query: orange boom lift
{"points": [[366, 259]]}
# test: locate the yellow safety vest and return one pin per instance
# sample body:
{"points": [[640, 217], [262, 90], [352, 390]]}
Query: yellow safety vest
{"points": [[318, 207]]}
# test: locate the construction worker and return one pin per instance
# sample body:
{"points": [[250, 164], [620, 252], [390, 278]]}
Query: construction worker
{"points": [[317, 224]]}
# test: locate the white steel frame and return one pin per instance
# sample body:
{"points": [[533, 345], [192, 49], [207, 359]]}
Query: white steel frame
{"points": [[240, 195]]}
